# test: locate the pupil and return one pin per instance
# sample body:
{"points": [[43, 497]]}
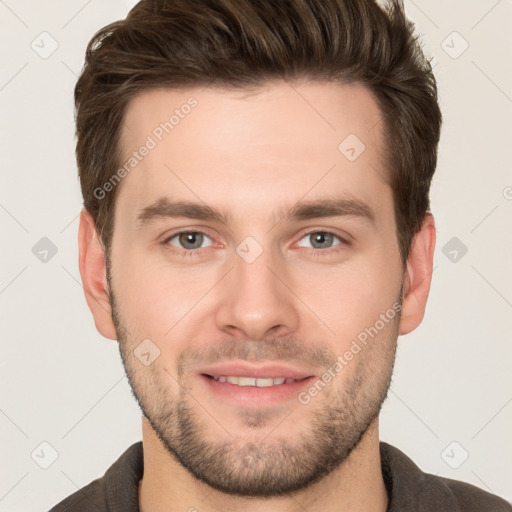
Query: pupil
{"points": [[321, 240], [191, 240]]}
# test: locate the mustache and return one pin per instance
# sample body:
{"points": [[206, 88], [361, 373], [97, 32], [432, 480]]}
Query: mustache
{"points": [[289, 349]]}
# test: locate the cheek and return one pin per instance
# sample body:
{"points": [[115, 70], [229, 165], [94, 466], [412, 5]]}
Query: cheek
{"points": [[154, 298], [158, 301], [352, 297]]}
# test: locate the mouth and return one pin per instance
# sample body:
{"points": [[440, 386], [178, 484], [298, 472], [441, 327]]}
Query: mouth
{"points": [[260, 382], [255, 387]]}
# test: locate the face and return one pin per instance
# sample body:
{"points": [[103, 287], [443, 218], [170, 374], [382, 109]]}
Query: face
{"points": [[255, 240]]}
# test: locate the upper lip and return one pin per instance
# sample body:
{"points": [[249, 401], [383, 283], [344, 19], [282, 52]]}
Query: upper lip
{"points": [[261, 371]]}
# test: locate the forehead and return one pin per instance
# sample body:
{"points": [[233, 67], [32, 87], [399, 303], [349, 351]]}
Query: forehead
{"points": [[251, 148]]}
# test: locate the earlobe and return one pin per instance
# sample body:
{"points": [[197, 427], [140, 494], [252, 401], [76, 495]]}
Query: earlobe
{"points": [[93, 272], [418, 276]]}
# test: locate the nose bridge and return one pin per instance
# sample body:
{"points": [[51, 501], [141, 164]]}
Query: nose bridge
{"points": [[255, 300], [254, 278]]}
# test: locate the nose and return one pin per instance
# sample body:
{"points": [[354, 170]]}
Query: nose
{"points": [[256, 300]]}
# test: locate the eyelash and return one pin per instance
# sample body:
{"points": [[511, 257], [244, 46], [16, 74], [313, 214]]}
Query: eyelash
{"points": [[198, 252], [325, 252]]}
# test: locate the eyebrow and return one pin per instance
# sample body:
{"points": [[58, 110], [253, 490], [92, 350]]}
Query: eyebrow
{"points": [[337, 207], [302, 210], [164, 207]]}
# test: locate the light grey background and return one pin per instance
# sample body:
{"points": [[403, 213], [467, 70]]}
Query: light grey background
{"points": [[63, 384]]}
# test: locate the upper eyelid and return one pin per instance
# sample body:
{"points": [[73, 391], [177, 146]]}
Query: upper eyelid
{"points": [[174, 234], [168, 239], [345, 238], [321, 231]]}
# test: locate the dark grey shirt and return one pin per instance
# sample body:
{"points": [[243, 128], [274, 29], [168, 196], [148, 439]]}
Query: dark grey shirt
{"points": [[409, 488]]}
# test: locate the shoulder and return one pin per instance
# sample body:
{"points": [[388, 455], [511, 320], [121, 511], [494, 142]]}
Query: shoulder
{"points": [[92, 496], [471, 498], [117, 489], [409, 488]]}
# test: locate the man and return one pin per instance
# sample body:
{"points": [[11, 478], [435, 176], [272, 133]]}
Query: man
{"points": [[256, 234]]}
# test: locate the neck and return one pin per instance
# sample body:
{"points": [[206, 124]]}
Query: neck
{"points": [[356, 485]]}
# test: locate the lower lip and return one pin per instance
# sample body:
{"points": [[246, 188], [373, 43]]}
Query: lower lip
{"points": [[253, 396]]}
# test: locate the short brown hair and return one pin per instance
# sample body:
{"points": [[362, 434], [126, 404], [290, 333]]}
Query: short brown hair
{"points": [[243, 44]]}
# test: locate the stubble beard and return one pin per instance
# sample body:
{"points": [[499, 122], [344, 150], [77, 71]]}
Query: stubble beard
{"points": [[267, 465]]}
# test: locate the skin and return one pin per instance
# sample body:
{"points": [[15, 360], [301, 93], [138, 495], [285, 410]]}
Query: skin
{"points": [[250, 156]]}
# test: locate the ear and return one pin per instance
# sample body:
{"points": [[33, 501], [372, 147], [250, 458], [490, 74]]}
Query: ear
{"points": [[418, 276], [93, 271]]}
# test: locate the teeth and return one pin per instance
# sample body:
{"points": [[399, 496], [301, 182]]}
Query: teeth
{"points": [[253, 381]]}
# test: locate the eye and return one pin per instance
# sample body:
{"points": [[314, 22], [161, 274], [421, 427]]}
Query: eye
{"points": [[189, 240], [320, 240]]}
